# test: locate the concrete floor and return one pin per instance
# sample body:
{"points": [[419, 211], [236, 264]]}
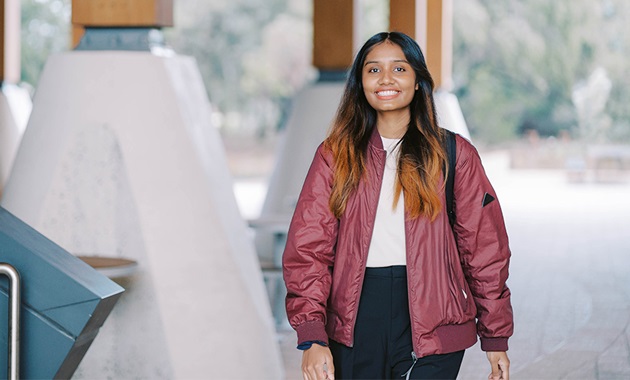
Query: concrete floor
{"points": [[570, 277]]}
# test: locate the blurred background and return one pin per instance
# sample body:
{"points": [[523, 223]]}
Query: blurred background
{"points": [[543, 87], [520, 68]]}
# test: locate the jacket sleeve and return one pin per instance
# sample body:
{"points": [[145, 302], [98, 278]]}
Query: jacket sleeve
{"points": [[309, 253], [483, 245]]}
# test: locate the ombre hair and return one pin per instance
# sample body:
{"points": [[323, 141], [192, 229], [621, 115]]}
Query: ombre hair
{"points": [[422, 154]]}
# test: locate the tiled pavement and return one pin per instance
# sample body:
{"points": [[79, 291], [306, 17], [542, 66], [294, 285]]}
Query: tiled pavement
{"points": [[570, 278]]}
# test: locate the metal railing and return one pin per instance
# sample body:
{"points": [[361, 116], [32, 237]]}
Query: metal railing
{"points": [[13, 363]]}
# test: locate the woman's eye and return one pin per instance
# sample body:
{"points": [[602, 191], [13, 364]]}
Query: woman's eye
{"points": [[373, 70], [399, 69]]}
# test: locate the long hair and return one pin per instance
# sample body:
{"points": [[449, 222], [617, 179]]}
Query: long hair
{"points": [[422, 155]]}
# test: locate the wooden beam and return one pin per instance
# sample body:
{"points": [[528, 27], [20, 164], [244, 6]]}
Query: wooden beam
{"points": [[440, 42], [430, 22], [333, 32], [409, 17], [122, 13], [402, 17], [119, 13]]}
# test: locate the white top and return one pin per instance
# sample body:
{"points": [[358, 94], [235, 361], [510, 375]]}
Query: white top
{"points": [[388, 238]]}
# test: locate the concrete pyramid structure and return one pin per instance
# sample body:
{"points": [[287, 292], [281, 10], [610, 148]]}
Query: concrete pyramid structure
{"points": [[120, 159]]}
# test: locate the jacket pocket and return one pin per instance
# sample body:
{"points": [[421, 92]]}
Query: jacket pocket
{"points": [[457, 286], [465, 300]]}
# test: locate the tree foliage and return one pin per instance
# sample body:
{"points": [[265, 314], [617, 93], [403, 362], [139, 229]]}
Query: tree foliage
{"points": [[45, 29], [516, 67], [517, 63], [253, 56]]}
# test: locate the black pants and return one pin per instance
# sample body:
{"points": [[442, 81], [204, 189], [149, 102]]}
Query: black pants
{"points": [[382, 335]]}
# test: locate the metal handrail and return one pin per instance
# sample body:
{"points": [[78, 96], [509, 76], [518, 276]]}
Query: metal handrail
{"points": [[13, 370]]}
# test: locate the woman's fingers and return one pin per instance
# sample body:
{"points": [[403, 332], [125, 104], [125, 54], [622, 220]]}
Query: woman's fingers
{"points": [[317, 363], [499, 364]]}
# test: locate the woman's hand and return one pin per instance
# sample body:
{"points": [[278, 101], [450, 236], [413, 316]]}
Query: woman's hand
{"points": [[500, 365], [317, 363]]}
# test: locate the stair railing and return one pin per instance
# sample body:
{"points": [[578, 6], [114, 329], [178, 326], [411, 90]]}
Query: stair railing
{"points": [[13, 363]]}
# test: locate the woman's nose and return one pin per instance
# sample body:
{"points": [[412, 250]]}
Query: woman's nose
{"points": [[386, 77]]}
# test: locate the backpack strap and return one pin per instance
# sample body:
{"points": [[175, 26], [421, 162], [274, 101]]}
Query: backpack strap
{"points": [[451, 153]]}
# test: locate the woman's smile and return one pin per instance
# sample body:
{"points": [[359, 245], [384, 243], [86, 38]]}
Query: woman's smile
{"points": [[387, 94], [389, 81]]}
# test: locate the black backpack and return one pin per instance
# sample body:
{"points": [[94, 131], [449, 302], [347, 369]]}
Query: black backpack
{"points": [[451, 153]]}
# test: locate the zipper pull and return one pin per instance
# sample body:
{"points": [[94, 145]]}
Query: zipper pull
{"points": [[408, 373]]}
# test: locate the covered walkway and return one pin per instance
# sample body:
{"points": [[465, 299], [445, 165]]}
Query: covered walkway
{"points": [[570, 278]]}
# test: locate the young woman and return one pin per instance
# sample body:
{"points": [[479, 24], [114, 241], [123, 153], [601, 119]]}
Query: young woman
{"points": [[379, 284]]}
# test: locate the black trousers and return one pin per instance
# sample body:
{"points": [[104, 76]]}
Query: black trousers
{"points": [[382, 335]]}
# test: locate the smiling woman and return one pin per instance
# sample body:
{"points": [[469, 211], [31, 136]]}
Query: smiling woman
{"points": [[388, 63], [376, 290], [389, 84]]}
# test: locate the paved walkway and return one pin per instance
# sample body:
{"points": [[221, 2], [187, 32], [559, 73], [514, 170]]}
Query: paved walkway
{"points": [[570, 278]]}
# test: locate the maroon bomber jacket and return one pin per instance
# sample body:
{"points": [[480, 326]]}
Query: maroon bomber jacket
{"points": [[457, 281]]}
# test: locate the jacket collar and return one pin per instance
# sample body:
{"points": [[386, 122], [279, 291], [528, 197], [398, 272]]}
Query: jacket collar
{"points": [[375, 139]]}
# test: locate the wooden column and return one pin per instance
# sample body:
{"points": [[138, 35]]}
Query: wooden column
{"points": [[430, 22], [10, 41], [119, 13], [404, 17], [333, 31]]}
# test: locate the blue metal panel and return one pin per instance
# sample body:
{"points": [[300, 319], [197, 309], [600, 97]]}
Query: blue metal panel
{"points": [[119, 38], [64, 302]]}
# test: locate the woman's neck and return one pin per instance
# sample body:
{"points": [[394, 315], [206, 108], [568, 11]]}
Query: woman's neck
{"points": [[392, 126]]}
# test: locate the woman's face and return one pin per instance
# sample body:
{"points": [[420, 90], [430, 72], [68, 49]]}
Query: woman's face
{"points": [[389, 82]]}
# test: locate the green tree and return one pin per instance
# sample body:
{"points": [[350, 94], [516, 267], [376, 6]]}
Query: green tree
{"points": [[516, 63], [45, 30], [251, 54]]}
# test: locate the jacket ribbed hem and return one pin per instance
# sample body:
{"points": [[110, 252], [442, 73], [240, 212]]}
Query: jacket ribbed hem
{"points": [[311, 331], [453, 338], [494, 344]]}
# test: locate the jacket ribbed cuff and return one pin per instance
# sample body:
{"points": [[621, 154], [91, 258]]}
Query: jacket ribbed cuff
{"points": [[311, 331], [494, 344]]}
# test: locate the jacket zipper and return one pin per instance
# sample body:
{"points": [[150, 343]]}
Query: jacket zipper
{"points": [[411, 320], [363, 264], [408, 373]]}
